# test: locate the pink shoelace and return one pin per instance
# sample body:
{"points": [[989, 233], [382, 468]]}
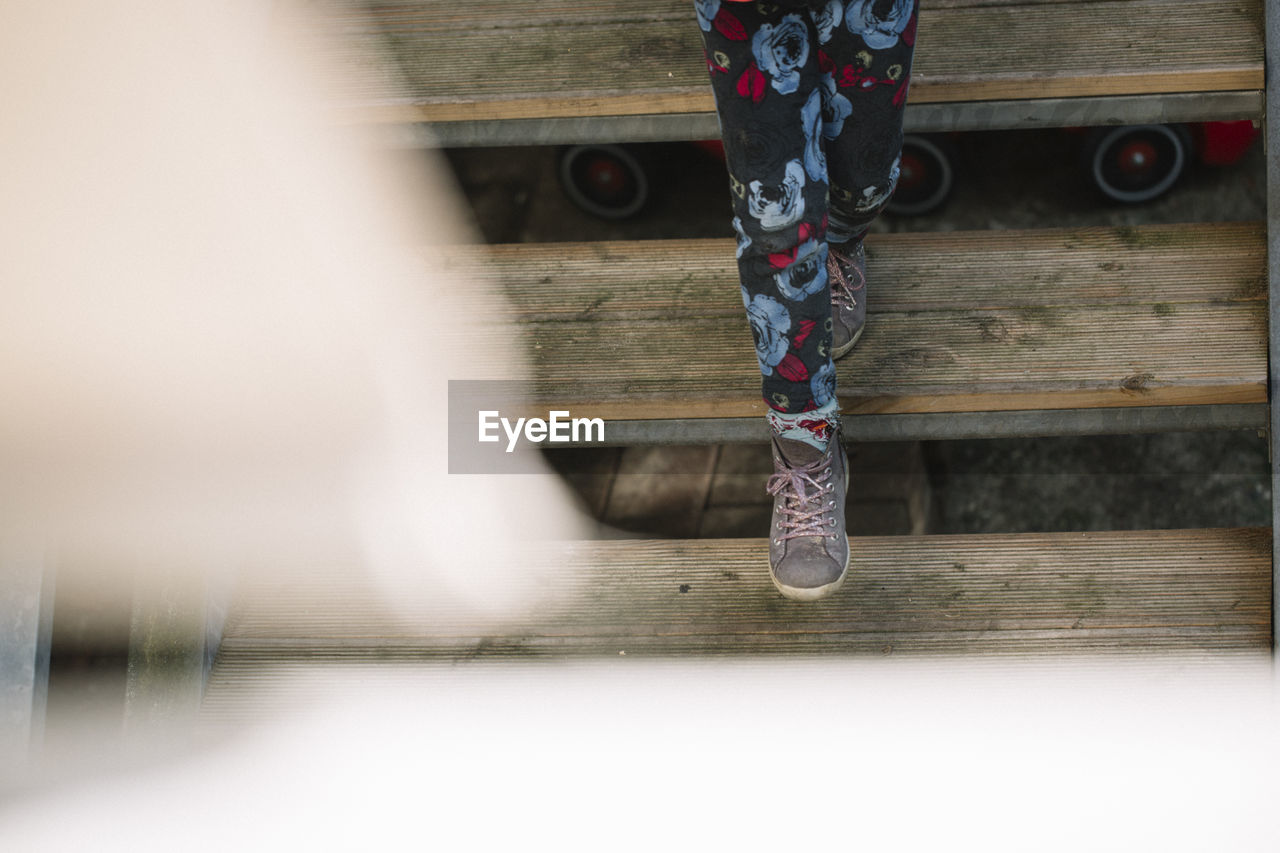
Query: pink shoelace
{"points": [[804, 512], [842, 288]]}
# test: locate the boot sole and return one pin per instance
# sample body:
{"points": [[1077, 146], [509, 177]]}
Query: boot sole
{"points": [[799, 593]]}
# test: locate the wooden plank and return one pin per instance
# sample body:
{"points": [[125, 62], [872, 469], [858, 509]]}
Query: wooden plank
{"points": [[1123, 265], [938, 361], [981, 321], [661, 489], [1198, 590], [505, 61], [424, 15]]}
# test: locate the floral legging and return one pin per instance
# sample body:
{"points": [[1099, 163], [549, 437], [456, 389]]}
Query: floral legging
{"points": [[810, 98]]}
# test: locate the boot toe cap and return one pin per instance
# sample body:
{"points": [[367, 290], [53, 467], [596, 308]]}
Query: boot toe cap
{"points": [[812, 569]]}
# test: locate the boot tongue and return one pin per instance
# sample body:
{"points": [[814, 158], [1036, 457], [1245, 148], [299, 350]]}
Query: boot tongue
{"points": [[794, 452]]}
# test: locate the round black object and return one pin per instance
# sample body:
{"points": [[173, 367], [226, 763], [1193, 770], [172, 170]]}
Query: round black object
{"points": [[605, 180], [1137, 163], [925, 177]]}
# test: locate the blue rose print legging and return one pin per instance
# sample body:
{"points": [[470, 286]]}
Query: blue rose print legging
{"points": [[810, 98]]}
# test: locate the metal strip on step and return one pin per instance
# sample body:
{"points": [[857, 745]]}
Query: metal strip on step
{"points": [[26, 619], [1272, 141], [920, 118], [954, 425]]}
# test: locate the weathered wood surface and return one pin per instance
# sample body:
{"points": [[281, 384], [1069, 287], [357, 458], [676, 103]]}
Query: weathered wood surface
{"points": [[511, 60], [980, 321], [1056, 593]]}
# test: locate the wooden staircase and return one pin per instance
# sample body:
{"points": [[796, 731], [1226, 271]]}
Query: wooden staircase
{"points": [[969, 322], [532, 72], [1063, 331]]}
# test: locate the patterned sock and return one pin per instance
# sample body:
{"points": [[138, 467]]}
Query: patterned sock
{"points": [[836, 237], [814, 427]]}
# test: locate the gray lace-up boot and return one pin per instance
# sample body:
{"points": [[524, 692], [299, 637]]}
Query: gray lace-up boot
{"points": [[847, 272], [808, 548]]}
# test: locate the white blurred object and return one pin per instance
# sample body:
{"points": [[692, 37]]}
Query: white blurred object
{"points": [[222, 338], [797, 755]]}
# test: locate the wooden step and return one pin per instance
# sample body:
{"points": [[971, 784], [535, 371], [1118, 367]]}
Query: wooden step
{"points": [[1151, 597], [510, 61], [1007, 594], [1061, 319]]}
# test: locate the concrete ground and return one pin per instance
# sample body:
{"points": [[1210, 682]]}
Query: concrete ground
{"points": [[1023, 179]]}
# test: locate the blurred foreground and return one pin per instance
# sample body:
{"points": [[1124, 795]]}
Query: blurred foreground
{"points": [[754, 755], [224, 353]]}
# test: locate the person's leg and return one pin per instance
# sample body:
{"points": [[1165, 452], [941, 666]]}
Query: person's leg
{"points": [[765, 74], [864, 54]]}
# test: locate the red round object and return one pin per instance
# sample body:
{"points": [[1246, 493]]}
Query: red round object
{"points": [[910, 171], [1137, 157], [1224, 142], [607, 175]]}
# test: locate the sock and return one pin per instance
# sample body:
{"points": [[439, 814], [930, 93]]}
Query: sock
{"points": [[838, 237], [814, 427]]}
